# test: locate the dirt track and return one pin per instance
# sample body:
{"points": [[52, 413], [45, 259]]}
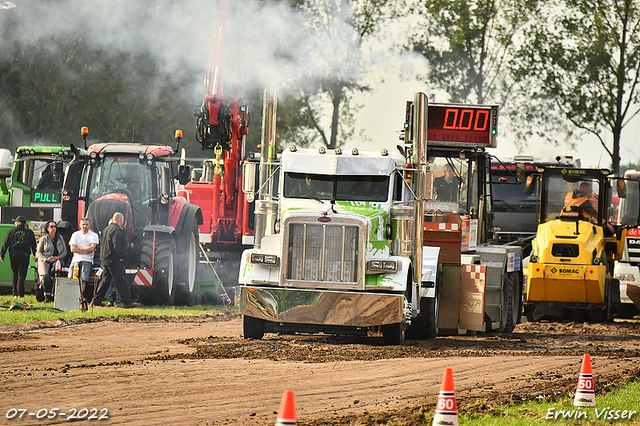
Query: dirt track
{"points": [[200, 371]]}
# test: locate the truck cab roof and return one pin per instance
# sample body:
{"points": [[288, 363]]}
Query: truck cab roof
{"points": [[338, 162]]}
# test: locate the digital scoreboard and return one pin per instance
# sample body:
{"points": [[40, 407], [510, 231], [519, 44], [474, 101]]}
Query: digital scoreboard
{"points": [[460, 124]]}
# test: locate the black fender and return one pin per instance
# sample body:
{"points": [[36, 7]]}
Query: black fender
{"points": [[189, 214], [165, 229]]}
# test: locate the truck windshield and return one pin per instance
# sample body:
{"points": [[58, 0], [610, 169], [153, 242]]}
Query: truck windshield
{"points": [[341, 188], [564, 197], [510, 197], [37, 173]]}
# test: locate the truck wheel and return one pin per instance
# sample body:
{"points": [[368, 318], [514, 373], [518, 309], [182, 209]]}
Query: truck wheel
{"points": [[163, 291], [252, 328], [393, 334], [510, 313], [187, 293], [425, 325]]}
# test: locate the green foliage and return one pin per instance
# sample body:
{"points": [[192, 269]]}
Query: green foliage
{"points": [[56, 86], [469, 43], [583, 57], [347, 23]]}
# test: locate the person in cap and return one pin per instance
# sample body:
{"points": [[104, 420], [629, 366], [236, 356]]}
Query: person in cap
{"points": [[20, 242]]}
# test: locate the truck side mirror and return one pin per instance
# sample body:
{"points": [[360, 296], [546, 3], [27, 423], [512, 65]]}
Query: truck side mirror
{"points": [[521, 172], [621, 188], [249, 179], [529, 185], [56, 170]]}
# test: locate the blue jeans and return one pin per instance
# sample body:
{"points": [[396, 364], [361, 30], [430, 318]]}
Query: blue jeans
{"points": [[113, 295], [47, 279]]}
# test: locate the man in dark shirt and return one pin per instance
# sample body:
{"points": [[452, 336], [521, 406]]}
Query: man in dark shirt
{"points": [[20, 241], [446, 186], [113, 250]]}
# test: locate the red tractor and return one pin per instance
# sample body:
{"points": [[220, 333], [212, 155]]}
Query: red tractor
{"points": [[162, 228]]}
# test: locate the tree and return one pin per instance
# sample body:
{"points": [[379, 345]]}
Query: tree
{"points": [[583, 58], [54, 87], [345, 24], [469, 43]]}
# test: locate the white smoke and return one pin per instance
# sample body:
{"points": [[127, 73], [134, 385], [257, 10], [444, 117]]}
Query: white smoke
{"points": [[266, 44]]}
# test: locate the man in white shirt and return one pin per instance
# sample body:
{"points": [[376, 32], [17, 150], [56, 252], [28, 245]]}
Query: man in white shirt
{"points": [[83, 245]]}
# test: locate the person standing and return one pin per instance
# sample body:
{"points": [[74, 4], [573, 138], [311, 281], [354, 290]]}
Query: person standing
{"points": [[51, 249], [83, 244], [446, 186], [113, 251], [20, 242]]}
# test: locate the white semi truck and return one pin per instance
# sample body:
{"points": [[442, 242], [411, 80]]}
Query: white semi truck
{"points": [[348, 242]]}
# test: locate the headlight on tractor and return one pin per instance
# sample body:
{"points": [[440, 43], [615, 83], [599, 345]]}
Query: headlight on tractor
{"points": [[382, 265], [626, 277], [265, 259]]}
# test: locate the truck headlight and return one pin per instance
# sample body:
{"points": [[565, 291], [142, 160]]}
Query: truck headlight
{"points": [[265, 259], [382, 265], [626, 277]]}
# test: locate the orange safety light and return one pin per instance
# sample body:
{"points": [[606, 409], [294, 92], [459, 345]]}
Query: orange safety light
{"points": [[178, 134], [85, 131]]}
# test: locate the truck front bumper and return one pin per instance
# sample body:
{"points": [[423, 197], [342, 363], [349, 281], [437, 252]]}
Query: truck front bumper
{"points": [[321, 307]]}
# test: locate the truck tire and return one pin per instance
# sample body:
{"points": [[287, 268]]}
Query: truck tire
{"points": [[187, 293], [425, 325], [163, 291], [394, 334], [252, 328], [510, 312]]}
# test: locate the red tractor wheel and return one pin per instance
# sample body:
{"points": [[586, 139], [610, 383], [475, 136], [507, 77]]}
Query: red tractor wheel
{"points": [[163, 290], [187, 291]]}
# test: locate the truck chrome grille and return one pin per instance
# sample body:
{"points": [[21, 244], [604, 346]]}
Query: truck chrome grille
{"points": [[323, 252]]}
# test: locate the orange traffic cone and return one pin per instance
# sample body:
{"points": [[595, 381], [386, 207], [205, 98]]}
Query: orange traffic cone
{"points": [[585, 394], [287, 411], [446, 407]]}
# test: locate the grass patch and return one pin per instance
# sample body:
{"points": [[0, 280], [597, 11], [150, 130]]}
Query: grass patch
{"points": [[608, 406], [20, 317]]}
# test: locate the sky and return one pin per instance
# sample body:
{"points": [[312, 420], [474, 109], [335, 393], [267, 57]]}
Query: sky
{"points": [[271, 48]]}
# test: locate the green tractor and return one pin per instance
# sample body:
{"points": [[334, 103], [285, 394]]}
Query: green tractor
{"points": [[30, 186]]}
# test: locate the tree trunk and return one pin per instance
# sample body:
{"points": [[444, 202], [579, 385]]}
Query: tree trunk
{"points": [[337, 90]]}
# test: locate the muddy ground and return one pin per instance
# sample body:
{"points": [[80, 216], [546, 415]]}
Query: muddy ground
{"points": [[199, 371]]}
